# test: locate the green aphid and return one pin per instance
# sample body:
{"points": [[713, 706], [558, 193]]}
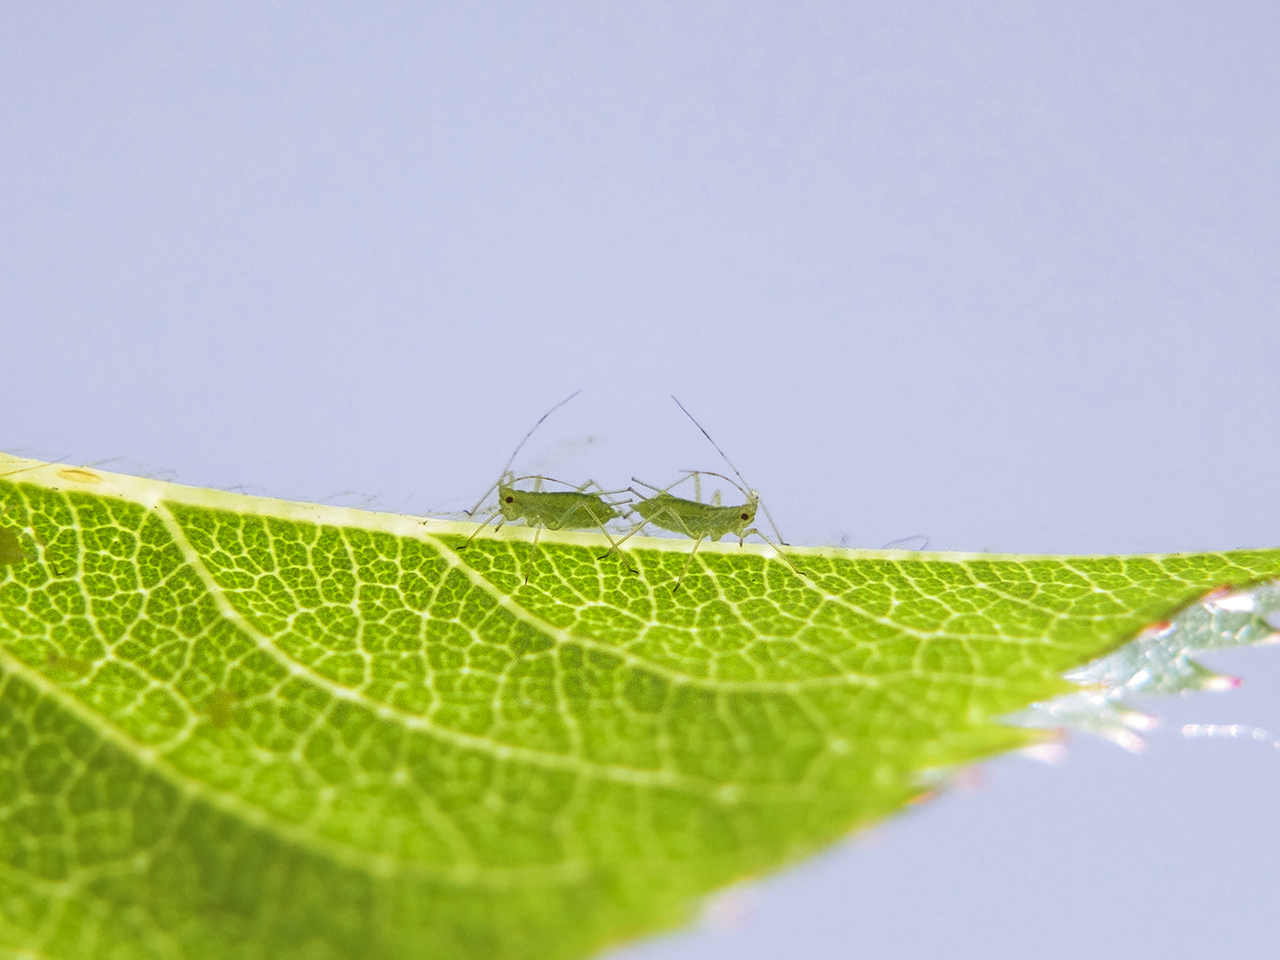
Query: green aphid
{"points": [[578, 508], [704, 521]]}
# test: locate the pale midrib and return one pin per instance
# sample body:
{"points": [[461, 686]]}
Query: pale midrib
{"points": [[192, 789], [562, 637], [555, 761], [149, 493], [840, 678]]}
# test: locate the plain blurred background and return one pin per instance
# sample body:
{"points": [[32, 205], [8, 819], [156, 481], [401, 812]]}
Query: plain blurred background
{"points": [[1005, 275]]}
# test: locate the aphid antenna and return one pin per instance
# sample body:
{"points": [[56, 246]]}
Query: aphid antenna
{"points": [[748, 486], [534, 476], [516, 451], [749, 494], [539, 476], [765, 507], [713, 443], [36, 466]]}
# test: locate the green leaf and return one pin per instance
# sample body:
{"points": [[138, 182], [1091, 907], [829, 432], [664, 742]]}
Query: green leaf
{"points": [[237, 727]]}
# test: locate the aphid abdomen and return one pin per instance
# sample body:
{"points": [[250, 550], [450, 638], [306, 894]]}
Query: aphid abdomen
{"points": [[557, 510], [690, 517], [665, 511]]}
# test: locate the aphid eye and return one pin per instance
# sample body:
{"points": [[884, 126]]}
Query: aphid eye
{"points": [[746, 516], [511, 499]]}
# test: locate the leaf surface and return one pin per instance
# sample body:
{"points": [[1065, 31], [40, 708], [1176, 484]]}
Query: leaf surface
{"points": [[238, 727]]}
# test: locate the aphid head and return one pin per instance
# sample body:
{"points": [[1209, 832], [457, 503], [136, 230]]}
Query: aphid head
{"points": [[509, 497], [747, 515]]}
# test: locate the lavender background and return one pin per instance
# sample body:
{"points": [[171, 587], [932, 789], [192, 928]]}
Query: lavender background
{"points": [[1004, 274]]}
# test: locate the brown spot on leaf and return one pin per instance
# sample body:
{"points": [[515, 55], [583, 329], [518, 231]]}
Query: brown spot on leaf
{"points": [[220, 706], [63, 664], [11, 547]]}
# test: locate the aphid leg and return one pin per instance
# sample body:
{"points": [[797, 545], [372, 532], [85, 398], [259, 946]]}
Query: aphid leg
{"points": [[472, 511], [643, 522], [605, 493], [697, 482], [563, 522], [774, 525], [679, 522], [613, 544], [688, 533], [688, 560], [533, 551], [785, 559], [482, 526], [697, 487], [616, 546]]}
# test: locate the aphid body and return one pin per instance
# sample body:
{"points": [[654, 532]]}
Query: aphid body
{"points": [[695, 519], [579, 508], [554, 509], [704, 521]]}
